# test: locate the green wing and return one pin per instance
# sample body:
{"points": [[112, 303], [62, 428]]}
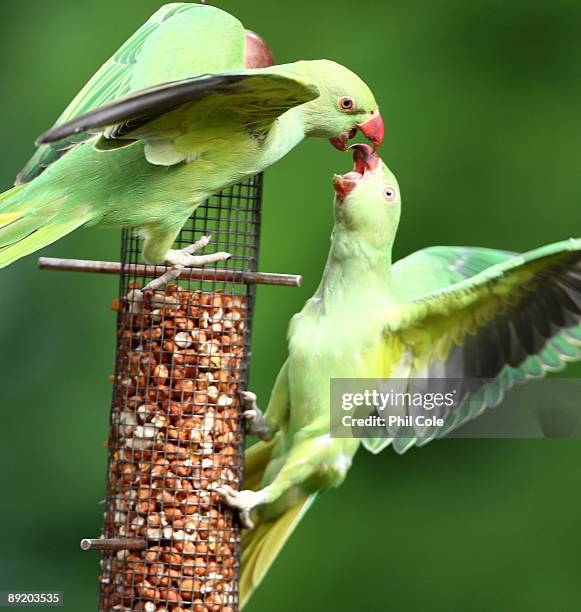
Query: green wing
{"points": [[441, 266], [180, 40], [432, 269], [516, 320], [259, 97], [184, 118]]}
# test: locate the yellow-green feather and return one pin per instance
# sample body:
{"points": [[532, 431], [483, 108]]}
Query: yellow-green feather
{"points": [[180, 40], [261, 545], [428, 328]]}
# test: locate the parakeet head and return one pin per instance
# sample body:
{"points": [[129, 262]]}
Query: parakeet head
{"points": [[367, 200], [346, 105]]}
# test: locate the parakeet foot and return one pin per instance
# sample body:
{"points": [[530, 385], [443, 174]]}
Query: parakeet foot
{"points": [[243, 501], [178, 259], [254, 417], [185, 258]]}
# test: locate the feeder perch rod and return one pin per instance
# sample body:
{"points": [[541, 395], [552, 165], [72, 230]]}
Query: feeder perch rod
{"points": [[113, 544], [203, 274]]}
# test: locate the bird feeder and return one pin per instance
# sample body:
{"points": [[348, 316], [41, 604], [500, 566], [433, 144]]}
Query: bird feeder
{"points": [[168, 542]]}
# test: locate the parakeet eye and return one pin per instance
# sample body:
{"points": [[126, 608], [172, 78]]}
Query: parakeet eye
{"points": [[390, 194], [346, 103]]}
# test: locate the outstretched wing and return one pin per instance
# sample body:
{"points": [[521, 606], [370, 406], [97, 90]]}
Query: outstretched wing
{"points": [[183, 117], [180, 40], [441, 266], [516, 320]]}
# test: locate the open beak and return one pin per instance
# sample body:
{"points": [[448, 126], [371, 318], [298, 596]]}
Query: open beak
{"points": [[374, 130], [365, 160]]}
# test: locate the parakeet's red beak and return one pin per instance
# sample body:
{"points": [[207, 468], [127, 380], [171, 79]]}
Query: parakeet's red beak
{"points": [[373, 129], [365, 160]]}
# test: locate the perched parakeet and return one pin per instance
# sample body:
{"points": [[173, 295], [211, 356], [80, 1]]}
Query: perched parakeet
{"points": [[172, 118], [444, 312]]}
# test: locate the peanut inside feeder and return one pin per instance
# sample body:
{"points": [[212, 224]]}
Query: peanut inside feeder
{"points": [[175, 434]]}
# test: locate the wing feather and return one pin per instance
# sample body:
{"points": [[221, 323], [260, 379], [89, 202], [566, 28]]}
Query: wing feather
{"points": [[517, 320], [257, 98], [144, 60]]}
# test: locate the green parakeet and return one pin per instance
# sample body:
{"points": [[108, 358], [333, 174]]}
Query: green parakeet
{"points": [[445, 312], [170, 119]]}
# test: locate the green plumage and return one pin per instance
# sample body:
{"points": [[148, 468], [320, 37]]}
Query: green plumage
{"points": [[172, 118], [166, 48], [442, 312]]}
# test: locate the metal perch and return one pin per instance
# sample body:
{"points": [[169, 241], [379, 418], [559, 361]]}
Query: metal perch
{"points": [[207, 274]]}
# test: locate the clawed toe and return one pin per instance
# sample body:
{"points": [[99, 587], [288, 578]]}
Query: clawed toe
{"points": [[177, 260], [243, 501], [255, 422], [202, 243], [248, 400], [135, 301], [185, 258], [247, 397]]}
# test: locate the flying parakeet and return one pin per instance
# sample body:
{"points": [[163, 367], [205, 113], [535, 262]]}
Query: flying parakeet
{"points": [[173, 117], [444, 312]]}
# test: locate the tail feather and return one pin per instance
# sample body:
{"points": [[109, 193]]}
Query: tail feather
{"points": [[26, 227], [8, 218], [256, 458], [261, 545], [7, 198], [40, 238], [19, 228]]}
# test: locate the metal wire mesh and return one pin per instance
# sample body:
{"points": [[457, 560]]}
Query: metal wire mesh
{"points": [[175, 431]]}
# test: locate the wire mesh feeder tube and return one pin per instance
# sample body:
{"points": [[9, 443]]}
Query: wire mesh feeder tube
{"points": [[175, 429]]}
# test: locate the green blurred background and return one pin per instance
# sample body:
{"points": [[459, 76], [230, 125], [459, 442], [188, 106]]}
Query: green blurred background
{"points": [[482, 107]]}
